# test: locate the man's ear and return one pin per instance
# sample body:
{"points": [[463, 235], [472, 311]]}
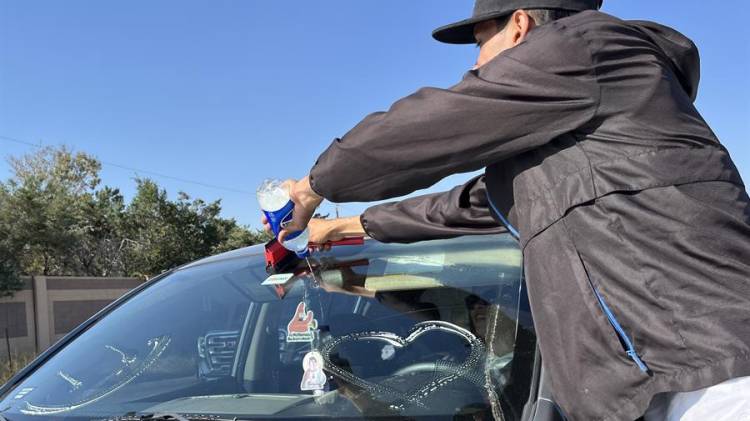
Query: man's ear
{"points": [[520, 25]]}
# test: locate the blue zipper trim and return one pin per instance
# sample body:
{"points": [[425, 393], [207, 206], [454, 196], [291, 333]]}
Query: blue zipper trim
{"points": [[632, 353], [511, 229]]}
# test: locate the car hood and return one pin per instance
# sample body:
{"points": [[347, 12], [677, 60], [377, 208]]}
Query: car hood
{"points": [[252, 404]]}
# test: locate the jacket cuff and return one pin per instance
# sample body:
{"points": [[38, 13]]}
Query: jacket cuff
{"points": [[369, 230], [313, 181], [318, 176]]}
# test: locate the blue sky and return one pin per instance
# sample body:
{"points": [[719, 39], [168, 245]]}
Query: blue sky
{"points": [[226, 93]]}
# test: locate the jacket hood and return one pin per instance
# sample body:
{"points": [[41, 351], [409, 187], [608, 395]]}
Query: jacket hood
{"points": [[679, 49]]}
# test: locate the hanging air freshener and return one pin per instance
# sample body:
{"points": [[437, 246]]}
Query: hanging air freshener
{"points": [[314, 377], [302, 326]]}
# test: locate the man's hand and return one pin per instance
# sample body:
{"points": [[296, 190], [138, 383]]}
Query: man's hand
{"points": [[305, 202], [323, 231]]}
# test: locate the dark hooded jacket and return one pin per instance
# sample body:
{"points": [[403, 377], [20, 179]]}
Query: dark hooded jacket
{"points": [[633, 220]]}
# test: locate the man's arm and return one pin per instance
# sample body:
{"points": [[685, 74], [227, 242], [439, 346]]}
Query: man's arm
{"points": [[525, 97], [461, 211]]}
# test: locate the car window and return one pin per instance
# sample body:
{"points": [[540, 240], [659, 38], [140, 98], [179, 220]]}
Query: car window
{"points": [[435, 329]]}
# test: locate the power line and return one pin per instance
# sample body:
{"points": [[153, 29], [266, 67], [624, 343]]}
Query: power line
{"points": [[11, 139], [137, 170]]}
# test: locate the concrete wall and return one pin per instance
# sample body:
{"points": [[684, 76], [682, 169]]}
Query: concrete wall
{"points": [[49, 307]]}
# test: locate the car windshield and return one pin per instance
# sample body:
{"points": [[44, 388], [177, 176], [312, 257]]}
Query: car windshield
{"points": [[435, 329]]}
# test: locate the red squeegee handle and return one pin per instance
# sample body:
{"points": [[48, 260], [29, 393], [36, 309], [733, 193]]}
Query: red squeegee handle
{"points": [[350, 241]]}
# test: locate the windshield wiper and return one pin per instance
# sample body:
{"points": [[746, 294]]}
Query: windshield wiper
{"points": [[165, 416]]}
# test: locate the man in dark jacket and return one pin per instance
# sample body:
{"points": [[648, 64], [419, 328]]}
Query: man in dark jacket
{"points": [[633, 220]]}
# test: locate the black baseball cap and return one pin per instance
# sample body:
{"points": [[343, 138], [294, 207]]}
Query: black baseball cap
{"points": [[462, 32]]}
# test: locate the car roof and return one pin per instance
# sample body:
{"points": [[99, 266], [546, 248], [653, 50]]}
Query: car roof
{"points": [[245, 252]]}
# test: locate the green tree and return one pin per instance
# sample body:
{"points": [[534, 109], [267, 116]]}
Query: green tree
{"points": [[56, 219], [10, 280], [163, 234], [98, 250], [45, 201]]}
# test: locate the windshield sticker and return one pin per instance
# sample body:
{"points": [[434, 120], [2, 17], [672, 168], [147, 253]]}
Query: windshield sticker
{"points": [[314, 377], [278, 279], [302, 326]]}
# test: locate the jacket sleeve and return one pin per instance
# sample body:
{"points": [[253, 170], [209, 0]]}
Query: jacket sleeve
{"points": [[523, 98], [461, 211]]}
